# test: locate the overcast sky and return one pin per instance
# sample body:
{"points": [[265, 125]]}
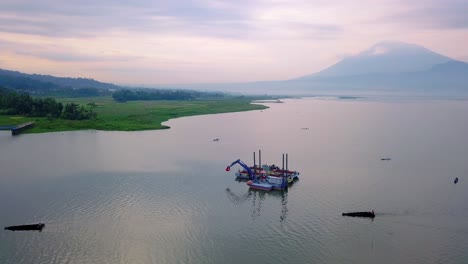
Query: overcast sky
{"points": [[179, 41]]}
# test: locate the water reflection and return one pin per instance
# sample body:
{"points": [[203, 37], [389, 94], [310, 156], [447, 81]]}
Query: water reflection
{"points": [[237, 199], [258, 197]]}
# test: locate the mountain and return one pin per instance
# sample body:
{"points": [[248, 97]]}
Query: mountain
{"points": [[385, 68], [384, 57], [451, 67], [47, 84], [388, 67]]}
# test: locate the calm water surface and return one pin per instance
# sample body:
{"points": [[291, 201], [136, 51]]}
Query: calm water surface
{"points": [[164, 197]]}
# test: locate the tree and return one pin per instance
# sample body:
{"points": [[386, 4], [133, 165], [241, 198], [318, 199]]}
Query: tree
{"points": [[23, 104], [73, 111]]}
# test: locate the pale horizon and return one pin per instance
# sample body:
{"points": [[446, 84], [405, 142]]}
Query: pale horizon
{"points": [[142, 43]]}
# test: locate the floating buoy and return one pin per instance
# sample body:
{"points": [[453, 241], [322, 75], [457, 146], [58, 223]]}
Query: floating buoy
{"points": [[455, 181], [228, 169], [249, 182]]}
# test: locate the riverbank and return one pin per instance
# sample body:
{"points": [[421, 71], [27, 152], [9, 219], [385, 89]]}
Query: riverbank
{"points": [[132, 116]]}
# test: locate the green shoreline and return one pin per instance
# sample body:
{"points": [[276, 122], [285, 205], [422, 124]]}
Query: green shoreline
{"points": [[132, 116]]}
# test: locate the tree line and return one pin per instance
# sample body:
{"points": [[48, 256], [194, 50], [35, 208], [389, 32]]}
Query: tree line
{"points": [[162, 94], [13, 103]]}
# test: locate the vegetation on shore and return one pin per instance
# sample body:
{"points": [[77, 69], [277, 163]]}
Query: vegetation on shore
{"points": [[65, 104], [13, 103], [132, 115], [163, 94]]}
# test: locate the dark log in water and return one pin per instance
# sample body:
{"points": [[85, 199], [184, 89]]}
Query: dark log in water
{"points": [[360, 214], [34, 227]]}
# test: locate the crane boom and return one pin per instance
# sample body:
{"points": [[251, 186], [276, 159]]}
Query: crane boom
{"points": [[251, 173]]}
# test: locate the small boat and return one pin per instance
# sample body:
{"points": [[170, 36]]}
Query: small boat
{"points": [[34, 227], [455, 181], [386, 159], [370, 214]]}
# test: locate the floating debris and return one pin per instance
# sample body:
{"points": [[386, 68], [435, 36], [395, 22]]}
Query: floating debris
{"points": [[33, 227], [386, 159], [455, 181], [216, 139], [370, 214]]}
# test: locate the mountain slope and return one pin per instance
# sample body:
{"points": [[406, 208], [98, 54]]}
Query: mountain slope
{"points": [[8, 78], [406, 69], [450, 78], [384, 57], [51, 85]]}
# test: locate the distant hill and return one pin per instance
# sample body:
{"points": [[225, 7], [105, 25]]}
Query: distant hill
{"points": [[389, 67], [385, 68], [445, 78], [46, 85], [384, 57], [51, 85]]}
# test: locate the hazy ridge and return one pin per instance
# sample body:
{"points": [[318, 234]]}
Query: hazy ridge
{"points": [[386, 67]]}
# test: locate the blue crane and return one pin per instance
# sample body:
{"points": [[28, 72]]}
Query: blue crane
{"points": [[251, 173]]}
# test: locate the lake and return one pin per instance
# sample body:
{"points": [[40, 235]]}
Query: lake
{"points": [[164, 196]]}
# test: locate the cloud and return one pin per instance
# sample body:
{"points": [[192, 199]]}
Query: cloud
{"points": [[448, 14], [91, 18], [214, 40], [61, 53], [223, 19], [76, 57]]}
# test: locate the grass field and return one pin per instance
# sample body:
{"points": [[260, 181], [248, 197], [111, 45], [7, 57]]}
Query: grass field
{"points": [[131, 116]]}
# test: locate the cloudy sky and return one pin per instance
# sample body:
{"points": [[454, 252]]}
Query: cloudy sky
{"points": [[180, 41]]}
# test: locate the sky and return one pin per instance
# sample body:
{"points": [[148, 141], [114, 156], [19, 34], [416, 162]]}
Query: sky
{"points": [[152, 42]]}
